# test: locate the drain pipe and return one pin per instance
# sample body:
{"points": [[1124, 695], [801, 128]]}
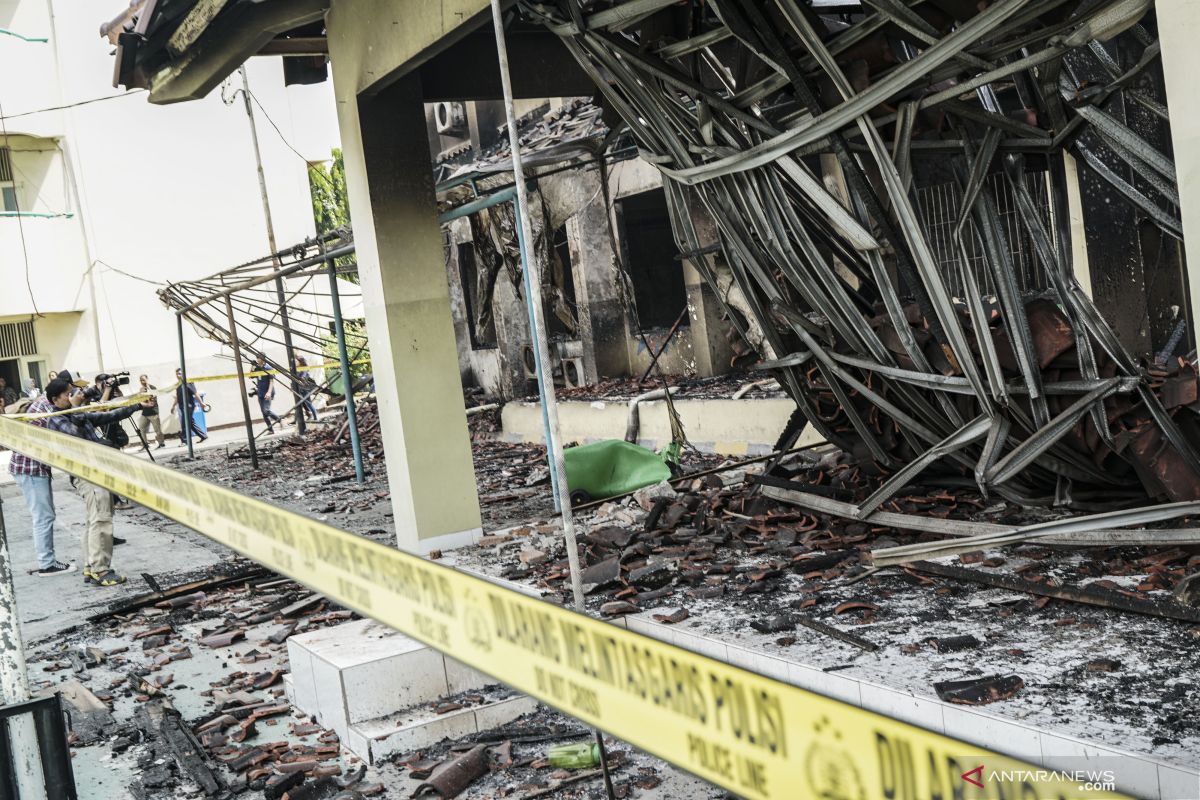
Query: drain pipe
{"points": [[533, 290], [633, 426]]}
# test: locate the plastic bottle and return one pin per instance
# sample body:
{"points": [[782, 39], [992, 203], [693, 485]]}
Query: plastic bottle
{"points": [[574, 756]]}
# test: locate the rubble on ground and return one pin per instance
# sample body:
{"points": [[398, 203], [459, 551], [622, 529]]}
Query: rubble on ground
{"points": [[718, 558]]}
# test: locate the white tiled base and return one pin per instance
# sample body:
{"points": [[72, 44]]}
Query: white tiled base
{"points": [[402, 732], [1136, 774], [362, 671]]}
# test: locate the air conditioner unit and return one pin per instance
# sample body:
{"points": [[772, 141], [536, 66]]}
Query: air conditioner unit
{"points": [[450, 118]]}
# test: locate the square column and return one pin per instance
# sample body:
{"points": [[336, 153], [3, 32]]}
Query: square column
{"points": [[406, 297], [1178, 27]]}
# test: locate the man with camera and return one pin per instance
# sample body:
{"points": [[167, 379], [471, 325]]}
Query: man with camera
{"points": [[106, 388], [98, 539]]}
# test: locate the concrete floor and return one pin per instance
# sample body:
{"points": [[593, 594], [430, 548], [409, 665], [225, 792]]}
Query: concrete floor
{"points": [[51, 605]]}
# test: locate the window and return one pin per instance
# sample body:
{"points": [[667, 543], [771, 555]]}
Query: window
{"points": [[8, 189], [17, 339], [648, 249]]}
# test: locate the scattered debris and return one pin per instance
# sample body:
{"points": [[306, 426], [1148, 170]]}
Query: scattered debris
{"points": [[979, 691]]}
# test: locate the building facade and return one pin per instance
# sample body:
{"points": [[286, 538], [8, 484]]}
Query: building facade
{"points": [[105, 200]]}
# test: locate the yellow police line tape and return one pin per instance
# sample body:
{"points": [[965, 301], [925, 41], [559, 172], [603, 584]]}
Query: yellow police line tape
{"points": [[260, 373], [752, 735]]}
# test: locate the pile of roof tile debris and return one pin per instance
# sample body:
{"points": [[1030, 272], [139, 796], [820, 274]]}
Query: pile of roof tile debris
{"points": [[511, 762], [754, 553], [740, 534], [217, 643], [904, 354]]}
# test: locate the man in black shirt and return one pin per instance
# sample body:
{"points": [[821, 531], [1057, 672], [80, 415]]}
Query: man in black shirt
{"points": [[264, 388], [185, 400]]}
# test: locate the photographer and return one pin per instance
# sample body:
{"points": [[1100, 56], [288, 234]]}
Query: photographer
{"points": [[98, 538], [106, 388]]}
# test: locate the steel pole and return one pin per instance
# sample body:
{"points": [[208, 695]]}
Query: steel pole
{"points": [[237, 357], [14, 682], [183, 389], [537, 363], [550, 402], [279, 293], [347, 380]]}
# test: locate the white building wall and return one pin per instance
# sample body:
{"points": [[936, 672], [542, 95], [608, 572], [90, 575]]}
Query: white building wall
{"points": [[165, 194]]}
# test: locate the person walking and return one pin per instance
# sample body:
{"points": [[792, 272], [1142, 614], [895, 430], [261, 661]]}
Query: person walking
{"points": [[149, 417], [186, 398], [98, 538], [264, 389], [33, 479], [308, 388]]}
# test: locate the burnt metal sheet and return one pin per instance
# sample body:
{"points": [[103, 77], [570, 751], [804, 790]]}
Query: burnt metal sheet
{"points": [[974, 353]]}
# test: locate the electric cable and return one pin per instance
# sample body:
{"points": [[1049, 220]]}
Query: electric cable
{"points": [[20, 222]]}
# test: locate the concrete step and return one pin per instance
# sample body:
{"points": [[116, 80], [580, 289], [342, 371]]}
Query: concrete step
{"points": [[362, 671], [420, 727]]}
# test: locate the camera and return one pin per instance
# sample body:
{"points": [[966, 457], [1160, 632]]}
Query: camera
{"points": [[119, 379]]}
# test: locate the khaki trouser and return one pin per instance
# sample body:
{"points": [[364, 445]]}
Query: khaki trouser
{"points": [[145, 421], [98, 538]]}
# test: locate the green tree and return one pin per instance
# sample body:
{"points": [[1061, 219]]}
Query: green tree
{"points": [[327, 186], [330, 202], [357, 349]]}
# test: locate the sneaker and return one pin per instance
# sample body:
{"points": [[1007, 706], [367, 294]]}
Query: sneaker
{"points": [[109, 578], [118, 540], [57, 568]]}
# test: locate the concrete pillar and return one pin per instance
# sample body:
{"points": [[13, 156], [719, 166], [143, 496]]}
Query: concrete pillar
{"points": [[456, 233], [710, 346], [405, 295], [597, 293]]}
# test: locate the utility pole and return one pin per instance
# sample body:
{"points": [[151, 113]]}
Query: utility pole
{"points": [[279, 293]]}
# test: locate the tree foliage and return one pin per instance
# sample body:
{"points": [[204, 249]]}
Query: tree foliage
{"points": [[327, 185]]}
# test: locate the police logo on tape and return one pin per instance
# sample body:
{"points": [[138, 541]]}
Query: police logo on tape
{"points": [[829, 766]]}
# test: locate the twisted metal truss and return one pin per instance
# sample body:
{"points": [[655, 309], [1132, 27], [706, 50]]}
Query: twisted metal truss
{"points": [[262, 315], [788, 135]]}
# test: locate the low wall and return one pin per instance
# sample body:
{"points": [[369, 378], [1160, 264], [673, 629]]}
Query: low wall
{"points": [[747, 427]]}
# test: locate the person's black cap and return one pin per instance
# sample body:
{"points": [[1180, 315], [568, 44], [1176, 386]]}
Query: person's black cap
{"points": [[66, 376]]}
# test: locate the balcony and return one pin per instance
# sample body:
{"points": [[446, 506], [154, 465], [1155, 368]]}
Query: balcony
{"points": [[56, 265]]}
